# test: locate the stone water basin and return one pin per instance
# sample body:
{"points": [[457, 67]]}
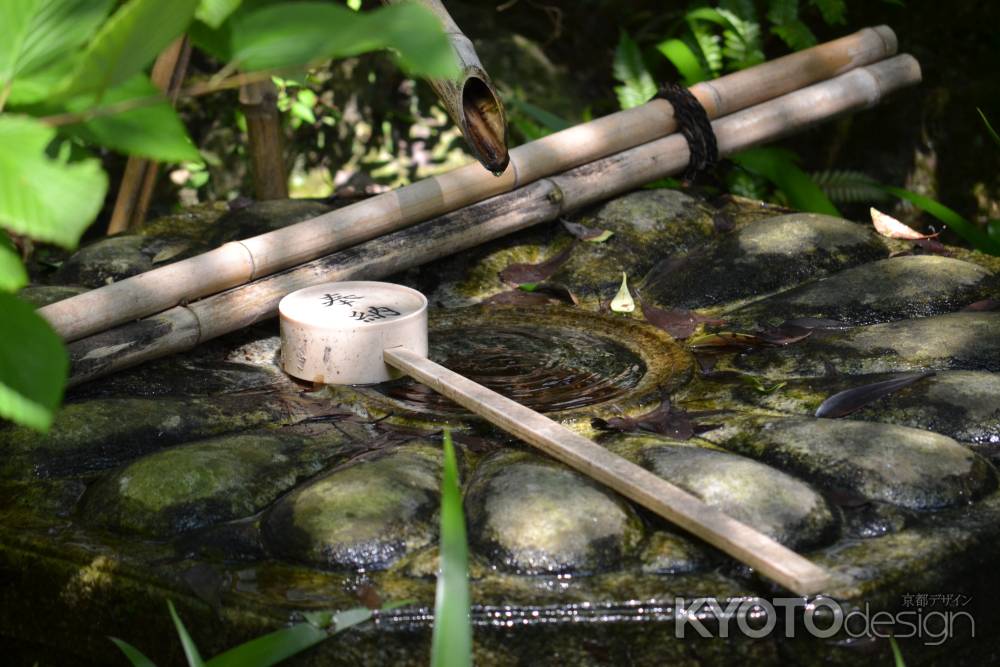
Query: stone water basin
{"points": [[213, 480]]}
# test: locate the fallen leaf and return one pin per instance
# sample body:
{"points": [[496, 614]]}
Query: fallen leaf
{"points": [[589, 234], [519, 274], [171, 251], [623, 302], [814, 323], [888, 226], [664, 420], [727, 340], [932, 246], [678, 322], [984, 305], [539, 295], [784, 334], [850, 400]]}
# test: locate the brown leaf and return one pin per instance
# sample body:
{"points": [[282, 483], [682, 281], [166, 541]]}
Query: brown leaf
{"points": [[730, 340], [850, 400], [932, 246], [520, 274], [543, 295], [784, 334], [664, 420], [888, 226], [678, 322], [585, 233]]}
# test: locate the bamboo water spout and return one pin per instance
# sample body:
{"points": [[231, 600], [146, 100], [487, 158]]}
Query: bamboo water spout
{"points": [[470, 98], [183, 327], [239, 262]]}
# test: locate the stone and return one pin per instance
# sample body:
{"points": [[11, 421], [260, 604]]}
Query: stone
{"points": [[43, 295], [260, 217], [957, 341], [100, 433], [531, 516], [365, 515], [668, 553], [117, 257], [771, 501], [890, 289], [647, 225], [759, 258], [198, 484], [902, 466]]}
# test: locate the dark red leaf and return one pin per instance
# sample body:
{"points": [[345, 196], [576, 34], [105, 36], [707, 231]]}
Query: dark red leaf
{"points": [[664, 420], [984, 305], [850, 400], [679, 323], [519, 274], [784, 334], [814, 323]]}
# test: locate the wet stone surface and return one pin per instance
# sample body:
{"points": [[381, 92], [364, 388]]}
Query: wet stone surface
{"points": [[212, 479], [531, 516], [908, 467]]}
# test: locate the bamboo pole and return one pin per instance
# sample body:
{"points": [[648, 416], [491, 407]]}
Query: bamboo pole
{"points": [[140, 174], [239, 262], [259, 102], [183, 327], [470, 98]]}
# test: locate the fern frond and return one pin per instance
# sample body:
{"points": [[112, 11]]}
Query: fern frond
{"points": [[844, 186], [782, 12], [796, 35]]}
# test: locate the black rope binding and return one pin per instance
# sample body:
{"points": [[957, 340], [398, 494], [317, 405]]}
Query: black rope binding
{"points": [[694, 124]]}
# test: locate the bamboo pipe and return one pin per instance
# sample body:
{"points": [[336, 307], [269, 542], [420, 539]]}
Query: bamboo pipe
{"points": [[240, 262], [470, 98], [184, 327]]}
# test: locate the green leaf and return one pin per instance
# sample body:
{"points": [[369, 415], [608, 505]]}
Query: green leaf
{"points": [[271, 648], [154, 131], [628, 68], [796, 35], [778, 166], [127, 43], [989, 128], [967, 230], [40, 36], [134, 655], [833, 11], [33, 365], [44, 198], [546, 119], [844, 186], [213, 12], [452, 639], [708, 44], [684, 59], [13, 276], [780, 12], [190, 650], [349, 618], [297, 33]]}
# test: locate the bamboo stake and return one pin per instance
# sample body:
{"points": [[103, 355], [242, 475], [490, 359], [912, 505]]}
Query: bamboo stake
{"points": [[470, 99], [183, 327], [140, 174], [239, 262], [259, 102]]}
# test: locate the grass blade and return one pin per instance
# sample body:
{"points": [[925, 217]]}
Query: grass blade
{"points": [[190, 650], [134, 655], [452, 644], [271, 648]]}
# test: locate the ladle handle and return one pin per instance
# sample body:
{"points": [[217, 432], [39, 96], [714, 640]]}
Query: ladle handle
{"points": [[740, 541]]}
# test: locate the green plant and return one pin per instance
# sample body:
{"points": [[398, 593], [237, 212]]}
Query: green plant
{"points": [[73, 76], [269, 649], [452, 641]]}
